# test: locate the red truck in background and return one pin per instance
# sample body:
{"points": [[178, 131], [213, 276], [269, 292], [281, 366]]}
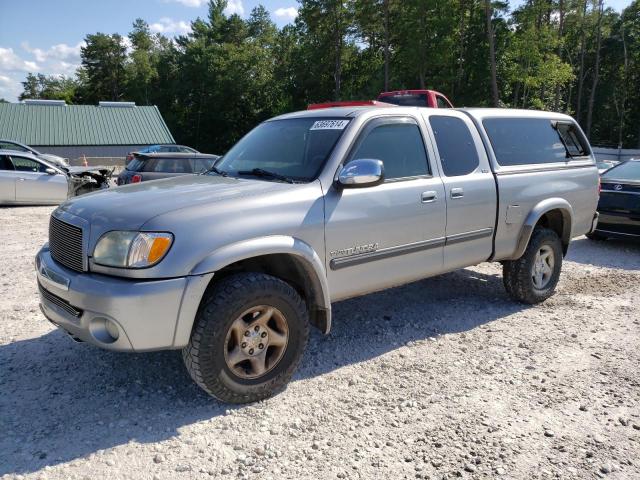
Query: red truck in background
{"points": [[406, 98]]}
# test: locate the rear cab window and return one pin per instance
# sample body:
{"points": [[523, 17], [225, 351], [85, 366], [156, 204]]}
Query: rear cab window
{"points": [[405, 99], [532, 141]]}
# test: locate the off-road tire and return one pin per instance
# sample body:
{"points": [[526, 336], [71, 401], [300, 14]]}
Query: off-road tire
{"points": [[598, 237], [204, 355], [517, 274]]}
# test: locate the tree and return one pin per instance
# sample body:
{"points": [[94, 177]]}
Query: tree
{"points": [[103, 64], [596, 68], [230, 73], [48, 88], [141, 70], [325, 26], [488, 11]]}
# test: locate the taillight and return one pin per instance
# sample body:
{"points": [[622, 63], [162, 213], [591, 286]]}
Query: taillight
{"points": [[136, 179]]}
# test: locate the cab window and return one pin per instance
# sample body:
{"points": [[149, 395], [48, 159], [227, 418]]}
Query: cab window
{"points": [[23, 164], [398, 143], [5, 163], [441, 102], [457, 150]]}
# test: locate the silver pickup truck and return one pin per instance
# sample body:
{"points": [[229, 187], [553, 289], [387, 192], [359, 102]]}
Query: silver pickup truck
{"points": [[309, 208]]}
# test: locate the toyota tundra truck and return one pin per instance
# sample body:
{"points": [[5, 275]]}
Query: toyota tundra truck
{"points": [[234, 266]]}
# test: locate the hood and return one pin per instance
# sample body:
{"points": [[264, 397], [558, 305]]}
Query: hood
{"points": [[53, 158], [130, 206], [79, 170]]}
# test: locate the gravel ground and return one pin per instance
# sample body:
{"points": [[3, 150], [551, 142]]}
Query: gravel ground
{"points": [[442, 378]]}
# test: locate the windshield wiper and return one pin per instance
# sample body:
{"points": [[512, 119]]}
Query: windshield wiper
{"points": [[216, 170], [259, 172]]}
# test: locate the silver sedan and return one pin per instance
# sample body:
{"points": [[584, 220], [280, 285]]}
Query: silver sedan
{"points": [[26, 179]]}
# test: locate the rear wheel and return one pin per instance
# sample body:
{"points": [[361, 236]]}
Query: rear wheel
{"points": [[534, 276], [248, 339]]}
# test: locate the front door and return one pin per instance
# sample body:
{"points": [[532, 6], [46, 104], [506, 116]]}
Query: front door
{"points": [[470, 190], [35, 185], [392, 233]]}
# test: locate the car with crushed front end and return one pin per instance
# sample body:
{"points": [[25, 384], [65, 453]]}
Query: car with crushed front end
{"points": [[233, 266], [26, 179]]}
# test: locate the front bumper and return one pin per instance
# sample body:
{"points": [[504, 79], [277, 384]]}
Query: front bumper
{"points": [[619, 225], [118, 313]]}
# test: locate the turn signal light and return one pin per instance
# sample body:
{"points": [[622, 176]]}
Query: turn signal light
{"points": [[158, 248]]}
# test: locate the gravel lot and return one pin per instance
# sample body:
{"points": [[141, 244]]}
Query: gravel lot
{"points": [[442, 378]]}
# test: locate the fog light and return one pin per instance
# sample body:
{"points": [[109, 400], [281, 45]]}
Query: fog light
{"points": [[112, 329], [104, 330]]}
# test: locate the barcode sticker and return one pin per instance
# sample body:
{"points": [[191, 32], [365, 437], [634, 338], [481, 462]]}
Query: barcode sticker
{"points": [[330, 125]]}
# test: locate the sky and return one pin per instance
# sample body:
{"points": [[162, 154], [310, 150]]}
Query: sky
{"points": [[45, 36]]}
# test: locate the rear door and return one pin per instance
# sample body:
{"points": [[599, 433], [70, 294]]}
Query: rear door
{"points": [[35, 185], [470, 189], [8, 178]]}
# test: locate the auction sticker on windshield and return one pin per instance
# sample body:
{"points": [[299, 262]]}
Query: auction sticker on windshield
{"points": [[329, 125]]}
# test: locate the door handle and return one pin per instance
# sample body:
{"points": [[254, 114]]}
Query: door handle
{"points": [[429, 196], [21, 179], [457, 193]]}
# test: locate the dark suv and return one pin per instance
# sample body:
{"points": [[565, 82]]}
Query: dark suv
{"points": [[153, 166]]}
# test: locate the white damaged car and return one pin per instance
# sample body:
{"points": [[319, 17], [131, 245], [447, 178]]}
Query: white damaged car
{"points": [[26, 179]]}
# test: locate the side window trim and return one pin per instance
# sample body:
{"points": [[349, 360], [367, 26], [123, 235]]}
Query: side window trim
{"points": [[389, 120]]}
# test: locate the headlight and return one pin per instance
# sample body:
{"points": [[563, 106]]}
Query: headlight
{"points": [[131, 249]]}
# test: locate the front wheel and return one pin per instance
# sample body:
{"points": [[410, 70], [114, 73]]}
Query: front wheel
{"points": [[534, 276], [248, 339]]}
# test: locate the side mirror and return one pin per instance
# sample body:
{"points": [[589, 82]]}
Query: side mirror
{"points": [[50, 171], [365, 172]]}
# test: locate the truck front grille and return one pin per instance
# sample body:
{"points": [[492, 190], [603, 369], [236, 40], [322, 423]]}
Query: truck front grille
{"points": [[65, 244], [59, 302]]}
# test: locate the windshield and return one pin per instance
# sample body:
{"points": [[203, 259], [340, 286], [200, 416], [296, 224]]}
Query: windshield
{"points": [[296, 148], [625, 171]]}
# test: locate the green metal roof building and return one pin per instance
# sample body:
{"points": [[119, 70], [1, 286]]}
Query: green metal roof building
{"points": [[109, 129]]}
